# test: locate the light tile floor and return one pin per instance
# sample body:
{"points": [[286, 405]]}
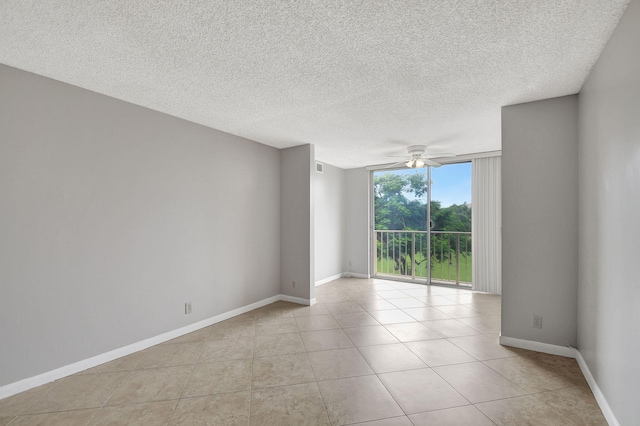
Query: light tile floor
{"points": [[370, 352]]}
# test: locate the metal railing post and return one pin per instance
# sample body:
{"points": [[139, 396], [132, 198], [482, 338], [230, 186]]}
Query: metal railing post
{"points": [[375, 253], [457, 259], [413, 255]]}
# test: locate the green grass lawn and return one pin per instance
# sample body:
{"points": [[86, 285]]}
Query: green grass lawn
{"points": [[439, 270]]}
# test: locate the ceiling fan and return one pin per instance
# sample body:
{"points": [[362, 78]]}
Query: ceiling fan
{"points": [[418, 157]]}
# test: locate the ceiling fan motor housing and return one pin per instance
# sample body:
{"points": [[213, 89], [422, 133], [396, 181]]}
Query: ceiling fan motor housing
{"points": [[416, 150]]}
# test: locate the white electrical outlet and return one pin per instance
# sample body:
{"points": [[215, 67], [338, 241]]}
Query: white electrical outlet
{"points": [[293, 284], [187, 308], [537, 321]]}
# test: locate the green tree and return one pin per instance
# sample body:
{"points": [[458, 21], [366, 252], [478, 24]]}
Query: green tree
{"points": [[393, 210], [398, 206]]}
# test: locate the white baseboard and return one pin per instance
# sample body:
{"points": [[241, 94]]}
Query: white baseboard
{"points": [[538, 346], [298, 300], [355, 275], [67, 370], [342, 275], [329, 279], [597, 393]]}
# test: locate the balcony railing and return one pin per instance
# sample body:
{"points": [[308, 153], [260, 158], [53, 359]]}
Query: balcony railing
{"points": [[404, 254]]}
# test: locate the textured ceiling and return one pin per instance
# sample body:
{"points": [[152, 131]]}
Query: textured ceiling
{"points": [[360, 80]]}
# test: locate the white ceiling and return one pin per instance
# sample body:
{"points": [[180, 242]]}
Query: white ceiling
{"points": [[360, 80]]}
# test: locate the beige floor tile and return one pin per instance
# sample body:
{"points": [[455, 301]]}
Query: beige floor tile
{"points": [[64, 418], [147, 414], [364, 297], [78, 392], [329, 292], [276, 326], [171, 355], [125, 363], [412, 331], [367, 336], [566, 367], [451, 328], [458, 311], [439, 352], [219, 377], [6, 420], [400, 285], [357, 319], [247, 316], [421, 390], [281, 370], [437, 300], [231, 330], [333, 298], [381, 285], [329, 288], [317, 322], [577, 403], [391, 294], [338, 364], [273, 311], [483, 347], [196, 336], [387, 358], [478, 383], [465, 298], [17, 404], [459, 416], [231, 409], [418, 292], [529, 375], [226, 349], [323, 340], [448, 291], [391, 316], [151, 385], [486, 324], [344, 308], [295, 405], [313, 310], [486, 308], [392, 421], [407, 302], [524, 410], [278, 344], [426, 313], [376, 305], [357, 399]]}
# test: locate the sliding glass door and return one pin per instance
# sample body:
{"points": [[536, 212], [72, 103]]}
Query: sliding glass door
{"points": [[403, 245]]}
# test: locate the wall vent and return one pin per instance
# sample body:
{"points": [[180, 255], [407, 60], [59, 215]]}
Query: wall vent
{"points": [[319, 167]]}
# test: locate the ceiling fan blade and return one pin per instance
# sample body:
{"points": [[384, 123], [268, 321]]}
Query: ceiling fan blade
{"points": [[404, 163], [439, 155], [431, 163]]}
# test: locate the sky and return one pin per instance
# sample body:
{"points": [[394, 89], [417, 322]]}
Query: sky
{"points": [[450, 184]]}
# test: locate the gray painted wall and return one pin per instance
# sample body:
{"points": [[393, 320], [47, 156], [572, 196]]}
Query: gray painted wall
{"points": [[330, 210], [539, 220], [112, 216], [357, 220], [297, 222], [609, 224]]}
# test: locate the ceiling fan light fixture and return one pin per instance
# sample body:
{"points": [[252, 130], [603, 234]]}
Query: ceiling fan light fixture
{"points": [[410, 163], [419, 163]]}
